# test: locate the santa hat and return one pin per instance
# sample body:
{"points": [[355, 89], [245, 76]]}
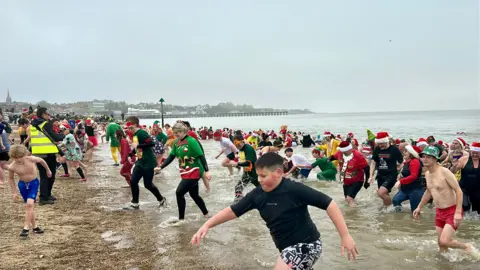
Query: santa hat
{"points": [[366, 149], [327, 133], [25, 110], [440, 142], [382, 137], [66, 125], [62, 127], [461, 142], [355, 142], [398, 141], [316, 151], [422, 142], [34, 117], [345, 146], [413, 150], [475, 147], [217, 134], [78, 121], [350, 134], [88, 122]]}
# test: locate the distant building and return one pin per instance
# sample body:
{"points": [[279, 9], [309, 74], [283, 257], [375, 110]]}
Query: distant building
{"points": [[8, 101], [97, 106], [133, 111]]}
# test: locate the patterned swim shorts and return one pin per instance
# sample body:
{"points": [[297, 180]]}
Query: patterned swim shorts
{"points": [[302, 256]]}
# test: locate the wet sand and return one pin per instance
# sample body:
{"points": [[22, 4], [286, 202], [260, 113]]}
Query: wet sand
{"points": [[73, 232]]}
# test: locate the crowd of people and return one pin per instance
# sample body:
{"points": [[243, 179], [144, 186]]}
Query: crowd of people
{"points": [[423, 171]]}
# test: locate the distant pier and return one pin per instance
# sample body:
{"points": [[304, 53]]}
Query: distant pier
{"points": [[180, 116]]}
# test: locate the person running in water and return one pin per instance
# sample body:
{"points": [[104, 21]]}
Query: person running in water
{"points": [[448, 198], [144, 166], [283, 205], [193, 166], [386, 160], [26, 168], [328, 170], [246, 159], [228, 148], [127, 159]]}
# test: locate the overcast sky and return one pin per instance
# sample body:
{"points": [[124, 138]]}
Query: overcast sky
{"points": [[327, 56]]}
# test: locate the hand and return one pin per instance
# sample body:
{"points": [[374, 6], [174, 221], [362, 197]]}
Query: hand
{"points": [[370, 180], [397, 185], [457, 218], [349, 245], [3, 147], [416, 213], [207, 176], [62, 160], [49, 173], [157, 169], [233, 164], [201, 233], [217, 157], [15, 196]]}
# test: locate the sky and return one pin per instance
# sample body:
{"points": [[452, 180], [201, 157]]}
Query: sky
{"points": [[327, 56]]}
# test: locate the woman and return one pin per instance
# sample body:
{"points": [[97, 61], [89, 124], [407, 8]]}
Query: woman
{"points": [[328, 170], [193, 166], [410, 183], [470, 179]]}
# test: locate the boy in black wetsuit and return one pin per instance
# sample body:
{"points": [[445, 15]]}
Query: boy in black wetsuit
{"points": [[283, 205]]}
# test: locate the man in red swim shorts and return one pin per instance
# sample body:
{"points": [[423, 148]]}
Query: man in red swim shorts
{"points": [[448, 197]]}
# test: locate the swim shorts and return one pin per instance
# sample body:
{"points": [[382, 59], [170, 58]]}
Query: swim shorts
{"points": [[29, 190], [158, 149], [231, 156], [352, 190], [387, 181], [445, 216], [304, 172], [302, 255]]}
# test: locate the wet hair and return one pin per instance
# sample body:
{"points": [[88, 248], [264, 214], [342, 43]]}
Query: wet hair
{"points": [[134, 120], [288, 150], [18, 151], [270, 161], [79, 133], [187, 124], [180, 127]]}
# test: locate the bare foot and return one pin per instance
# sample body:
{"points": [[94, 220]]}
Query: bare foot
{"points": [[207, 215], [468, 248]]}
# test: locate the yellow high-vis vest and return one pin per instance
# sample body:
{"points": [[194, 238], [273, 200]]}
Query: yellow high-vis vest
{"points": [[41, 144]]}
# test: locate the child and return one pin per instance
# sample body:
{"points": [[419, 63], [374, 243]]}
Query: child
{"points": [[282, 204], [26, 169], [73, 153]]}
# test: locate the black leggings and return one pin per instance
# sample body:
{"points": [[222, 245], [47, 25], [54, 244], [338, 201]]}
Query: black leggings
{"points": [[147, 175], [46, 183], [190, 186]]}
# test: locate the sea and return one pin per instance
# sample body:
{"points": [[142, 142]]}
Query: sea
{"points": [[385, 239]]}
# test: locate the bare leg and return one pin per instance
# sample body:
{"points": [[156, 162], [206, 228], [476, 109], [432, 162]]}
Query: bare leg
{"points": [[445, 240], [281, 265], [30, 216], [225, 163], [350, 201], [382, 192]]}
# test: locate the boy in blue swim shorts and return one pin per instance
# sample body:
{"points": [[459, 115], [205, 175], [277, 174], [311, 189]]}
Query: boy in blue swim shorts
{"points": [[26, 168]]}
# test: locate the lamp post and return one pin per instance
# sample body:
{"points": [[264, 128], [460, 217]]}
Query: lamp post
{"points": [[161, 108]]}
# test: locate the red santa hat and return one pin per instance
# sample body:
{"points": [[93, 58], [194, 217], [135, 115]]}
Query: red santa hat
{"points": [[413, 150], [217, 134], [382, 137], [25, 110], [475, 147], [398, 141], [422, 142], [461, 142], [88, 122], [366, 149], [355, 142], [345, 146], [316, 151], [327, 133], [78, 121], [350, 134]]}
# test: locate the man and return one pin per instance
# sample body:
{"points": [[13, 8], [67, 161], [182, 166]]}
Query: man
{"points": [[386, 160], [114, 143], [448, 198], [301, 166], [43, 141]]}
